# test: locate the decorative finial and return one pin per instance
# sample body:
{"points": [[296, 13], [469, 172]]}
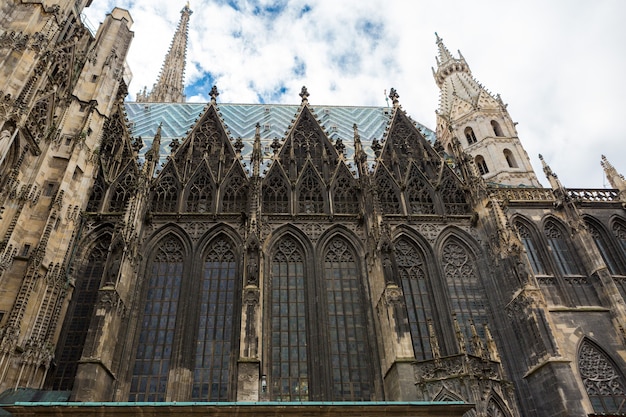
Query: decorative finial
{"points": [[214, 93], [304, 93], [393, 95]]}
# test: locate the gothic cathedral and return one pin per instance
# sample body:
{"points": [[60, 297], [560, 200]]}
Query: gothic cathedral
{"points": [[159, 257]]}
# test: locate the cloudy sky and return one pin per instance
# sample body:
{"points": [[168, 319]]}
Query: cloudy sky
{"points": [[559, 64]]}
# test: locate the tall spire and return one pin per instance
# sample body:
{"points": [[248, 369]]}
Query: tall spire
{"points": [[169, 86]]}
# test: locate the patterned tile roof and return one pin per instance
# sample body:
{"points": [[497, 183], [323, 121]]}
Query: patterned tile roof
{"points": [[240, 119]]}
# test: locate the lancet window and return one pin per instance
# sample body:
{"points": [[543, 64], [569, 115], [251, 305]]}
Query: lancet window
{"points": [[310, 193], [387, 193], [235, 196], [79, 315], [413, 276], [417, 194], [289, 374], [603, 247], [453, 197], [470, 136], [531, 249], [602, 379], [122, 192], [165, 197], [560, 249], [156, 329], [345, 195], [467, 295], [200, 194], [619, 229], [97, 195], [217, 329], [276, 193], [347, 331]]}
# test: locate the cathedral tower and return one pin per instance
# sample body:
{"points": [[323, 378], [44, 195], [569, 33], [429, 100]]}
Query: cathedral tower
{"points": [[480, 122], [169, 87]]}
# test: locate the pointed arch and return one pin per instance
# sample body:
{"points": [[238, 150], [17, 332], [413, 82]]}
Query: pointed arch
{"points": [[122, 189], [235, 191], [218, 322], [465, 289], [97, 194], [289, 322], [495, 408], [165, 192], [451, 194], [417, 294], [158, 320], [80, 310], [469, 135], [388, 192], [311, 191], [418, 193], [349, 347], [276, 192], [344, 192], [200, 192], [602, 378], [604, 245], [562, 251], [619, 230], [528, 236]]}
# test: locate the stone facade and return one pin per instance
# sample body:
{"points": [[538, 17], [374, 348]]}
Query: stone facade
{"points": [[225, 264]]}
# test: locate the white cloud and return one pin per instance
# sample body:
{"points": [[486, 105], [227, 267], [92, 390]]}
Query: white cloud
{"points": [[558, 64]]}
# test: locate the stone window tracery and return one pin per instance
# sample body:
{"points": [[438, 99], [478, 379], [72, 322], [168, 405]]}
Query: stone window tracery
{"points": [[414, 281], [200, 195], [602, 379], [122, 192], [560, 249], [453, 197], [97, 195], [165, 197], [345, 195], [620, 233], [158, 323], [310, 193], [417, 194], [217, 329], [531, 249], [604, 249], [387, 193], [276, 194], [235, 197]]}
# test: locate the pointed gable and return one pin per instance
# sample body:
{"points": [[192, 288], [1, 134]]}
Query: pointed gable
{"points": [[116, 150], [208, 141]]}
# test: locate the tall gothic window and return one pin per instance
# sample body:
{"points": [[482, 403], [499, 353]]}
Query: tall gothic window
{"points": [[276, 194], [156, 333], [603, 380], [288, 324], [560, 249], [452, 195], [79, 315], [165, 197], [416, 295], [417, 194], [235, 196], [217, 324], [310, 193], [531, 249], [387, 193], [97, 194], [200, 194], [603, 247], [345, 195], [122, 192], [466, 292], [620, 233], [350, 365]]}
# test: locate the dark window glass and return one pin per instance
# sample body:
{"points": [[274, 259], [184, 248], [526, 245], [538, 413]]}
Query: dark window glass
{"points": [[350, 363], [601, 243], [416, 295], [310, 193], [561, 250], [200, 196], [79, 315], [603, 381], [156, 337], [275, 194], [289, 374], [217, 328], [531, 249]]}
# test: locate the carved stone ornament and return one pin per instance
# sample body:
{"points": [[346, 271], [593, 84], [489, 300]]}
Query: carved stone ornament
{"points": [[251, 295]]}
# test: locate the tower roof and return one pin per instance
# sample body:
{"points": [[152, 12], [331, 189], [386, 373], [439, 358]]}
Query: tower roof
{"points": [[169, 87]]}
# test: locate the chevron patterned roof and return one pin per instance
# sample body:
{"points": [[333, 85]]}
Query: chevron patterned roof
{"points": [[178, 118]]}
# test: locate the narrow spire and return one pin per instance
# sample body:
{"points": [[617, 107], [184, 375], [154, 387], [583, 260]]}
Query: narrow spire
{"points": [[444, 53], [615, 178], [169, 86]]}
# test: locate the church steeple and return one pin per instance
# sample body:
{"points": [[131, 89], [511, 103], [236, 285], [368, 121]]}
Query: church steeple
{"points": [[169, 86], [476, 119]]}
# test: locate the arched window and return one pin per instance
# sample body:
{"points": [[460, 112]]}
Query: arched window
{"points": [[165, 197], [469, 135], [122, 192], [452, 195], [531, 249], [603, 380], [482, 165], [417, 194], [289, 372], [345, 195], [156, 329], [276, 194], [495, 410], [97, 195], [350, 365], [467, 295], [387, 193], [603, 247], [235, 196], [200, 194], [510, 159], [215, 347], [497, 130], [414, 280], [560, 249], [79, 314], [619, 229], [310, 193]]}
